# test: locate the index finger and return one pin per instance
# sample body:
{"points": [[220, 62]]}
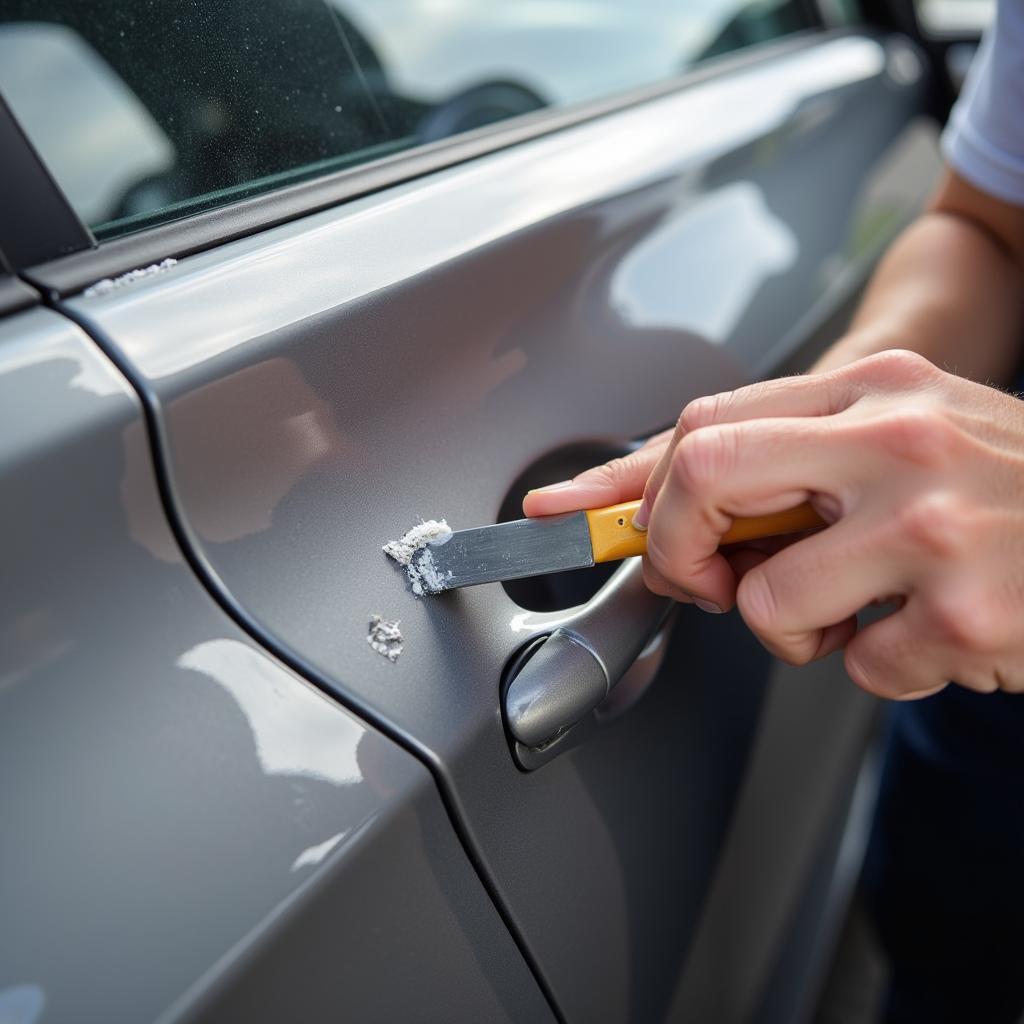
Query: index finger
{"points": [[619, 480]]}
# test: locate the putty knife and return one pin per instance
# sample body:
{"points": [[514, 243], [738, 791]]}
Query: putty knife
{"points": [[575, 540]]}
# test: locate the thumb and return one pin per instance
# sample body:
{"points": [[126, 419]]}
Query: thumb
{"points": [[621, 479]]}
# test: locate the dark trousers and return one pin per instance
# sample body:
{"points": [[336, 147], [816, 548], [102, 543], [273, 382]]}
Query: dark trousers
{"points": [[944, 874]]}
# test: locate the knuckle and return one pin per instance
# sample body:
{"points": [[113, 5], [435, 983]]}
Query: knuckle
{"points": [[944, 613], [964, 621], [609, 473], [899, 367], [938, 523], [624, 467], [702, 458], [595, 474], [919, 434], [695, 414], [703, 412], [615, 470]]}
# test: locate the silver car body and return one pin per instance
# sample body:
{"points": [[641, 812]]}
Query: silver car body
{"points": [[218, 801]]}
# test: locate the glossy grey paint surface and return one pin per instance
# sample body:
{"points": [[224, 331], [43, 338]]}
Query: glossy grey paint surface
{"points": [[323, 385], [174, 804]]}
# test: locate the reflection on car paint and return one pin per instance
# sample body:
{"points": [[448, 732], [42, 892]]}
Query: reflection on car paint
{"points": [[313, 855], [293, 731], [266, 415], [700, 270]]}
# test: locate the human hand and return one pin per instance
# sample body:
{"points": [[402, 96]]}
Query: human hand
{"points": [[921, 474]]}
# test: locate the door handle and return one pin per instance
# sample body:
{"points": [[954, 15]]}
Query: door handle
{"points": [[570, 672]]}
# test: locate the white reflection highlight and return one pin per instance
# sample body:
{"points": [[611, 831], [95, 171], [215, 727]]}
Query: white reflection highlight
{"points": [[313, 855], [96, 380], [296, 731], [699, 271], [541, 622]]}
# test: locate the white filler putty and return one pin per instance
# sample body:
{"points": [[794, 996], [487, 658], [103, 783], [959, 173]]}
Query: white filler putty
{"points": [[109, 284], [385, 637], [413, 552]]}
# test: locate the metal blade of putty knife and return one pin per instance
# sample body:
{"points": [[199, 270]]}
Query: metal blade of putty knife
{"points": [[510, 551]]}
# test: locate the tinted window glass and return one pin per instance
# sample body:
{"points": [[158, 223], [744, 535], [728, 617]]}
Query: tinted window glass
{"points": [[147, 110]]}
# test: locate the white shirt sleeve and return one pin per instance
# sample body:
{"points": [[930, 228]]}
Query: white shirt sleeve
{"points": [[984, 140]]}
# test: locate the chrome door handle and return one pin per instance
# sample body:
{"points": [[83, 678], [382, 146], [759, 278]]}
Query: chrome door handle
{"points": [[575, 668]]}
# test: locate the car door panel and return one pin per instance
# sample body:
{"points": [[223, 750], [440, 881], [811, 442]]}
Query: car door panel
{"points": [[185, 821], [317, 388]]}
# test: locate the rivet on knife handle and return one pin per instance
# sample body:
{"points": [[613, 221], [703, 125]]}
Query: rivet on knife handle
{"points": [[613, 535]]}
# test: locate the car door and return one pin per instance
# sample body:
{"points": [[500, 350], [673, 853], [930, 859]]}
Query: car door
{"points": [[178, 806], [338, 320]]}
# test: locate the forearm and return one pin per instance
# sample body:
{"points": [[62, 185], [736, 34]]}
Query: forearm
{"points": [[949, 290]]}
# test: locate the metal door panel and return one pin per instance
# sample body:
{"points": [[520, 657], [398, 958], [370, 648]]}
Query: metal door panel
{"points": [[319, 387], [175, 803]]}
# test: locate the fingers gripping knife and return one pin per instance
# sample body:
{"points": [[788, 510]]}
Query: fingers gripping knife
{"points": [[567, 674]]}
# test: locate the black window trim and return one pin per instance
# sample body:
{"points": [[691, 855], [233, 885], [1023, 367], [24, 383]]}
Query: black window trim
{"points": [[69, 274]]}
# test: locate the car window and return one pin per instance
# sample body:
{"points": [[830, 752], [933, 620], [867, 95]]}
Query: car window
{"points": [[148, 110]]}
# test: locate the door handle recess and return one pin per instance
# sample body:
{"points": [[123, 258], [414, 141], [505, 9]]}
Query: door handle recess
{"points": [[573, 670]]}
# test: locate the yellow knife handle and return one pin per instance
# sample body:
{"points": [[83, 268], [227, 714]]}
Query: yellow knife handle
{"points": [[613, 536], [612, 533], [793, 520]]}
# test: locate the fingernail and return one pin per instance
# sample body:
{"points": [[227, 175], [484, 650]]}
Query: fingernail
{"points": [[707, 606], [641, 516], [560, 486]]}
